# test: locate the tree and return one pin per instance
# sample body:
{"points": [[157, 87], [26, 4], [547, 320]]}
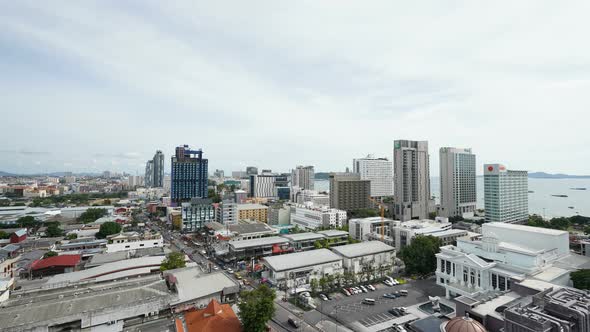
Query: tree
{"points": [[72, 236], [419, 257], [314, 285], [581, 279], [49, 254], [91, 215], [432, 215], [53, 230], [4, 235], [587, 230], [256, 308], [364, 213], [108, 228], [27, 222], [317, 244], [175, 260], [323, 284]]}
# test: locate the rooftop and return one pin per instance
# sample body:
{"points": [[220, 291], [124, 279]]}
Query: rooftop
{"points": [[333, 233], [362, 249], [539, 230], [191, 283], [303, 236], [64, 260], [301, 259], [216, 317], [251, 206], [263, 241], [245, 228]]}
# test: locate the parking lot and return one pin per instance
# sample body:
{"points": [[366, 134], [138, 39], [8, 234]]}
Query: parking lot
{"points": [[348, 309]]}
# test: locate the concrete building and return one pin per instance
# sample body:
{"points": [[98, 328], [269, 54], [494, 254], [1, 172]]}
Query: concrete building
{"points": [[303, 177], [196, 213], [266, 185], [377, 170], [257, 212], [506, 253], [298, 269], [251, 170], [261, 247], [240, 196], [411, 179], [149, 173], [303, 241], [227, 212], [336, 237], [310, 217], [370, 258], [301, 196], [135, 181], [189, 178], [348, 192], [239, 174], [279, 215], [458, 195], [505, 194], [219, 174], [133, 240], [365, 229], [404, 232]]}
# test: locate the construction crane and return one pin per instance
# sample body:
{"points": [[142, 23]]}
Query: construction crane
{"points": [[382, 208]]}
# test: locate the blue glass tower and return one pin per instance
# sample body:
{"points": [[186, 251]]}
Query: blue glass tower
{"points": [[189, 175]]}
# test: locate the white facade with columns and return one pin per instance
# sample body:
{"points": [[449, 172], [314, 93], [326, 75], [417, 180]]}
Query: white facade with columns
{"points": [[475, 267]]}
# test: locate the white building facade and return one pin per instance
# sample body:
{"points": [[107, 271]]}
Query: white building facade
{"points": [[303, 177], [505, 194], [315, 217], [371, 259], [411, 179], [132, 241], [377, 170], [457, 182]]}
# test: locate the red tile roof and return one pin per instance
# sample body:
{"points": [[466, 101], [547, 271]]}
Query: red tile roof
{"points": [[216, 317], [64, 260]]}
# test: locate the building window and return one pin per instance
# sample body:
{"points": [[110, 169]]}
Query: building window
{"points": [[494, 281], [502, 283], [448, 267], [442, 280], [508, 283], [442, 265], [472, 278], [464, 274], [126, 246], [479, 280], [453, 269]]}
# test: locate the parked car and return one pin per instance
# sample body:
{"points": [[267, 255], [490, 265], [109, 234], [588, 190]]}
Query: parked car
{"points": [[395, 282], [369, 301], [294, 322], [399, 328], [394, 312], [371, 287], [323, 297], [305, 294], [403, 292], [388, 282], [229, 270], [345, 291], [364, 289], [389, 296]]}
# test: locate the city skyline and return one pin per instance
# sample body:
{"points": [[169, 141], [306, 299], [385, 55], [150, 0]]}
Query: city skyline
{"points": [[504, 87]]}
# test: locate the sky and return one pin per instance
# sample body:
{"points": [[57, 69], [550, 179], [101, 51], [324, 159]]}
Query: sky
{"points": [[91, 86]]}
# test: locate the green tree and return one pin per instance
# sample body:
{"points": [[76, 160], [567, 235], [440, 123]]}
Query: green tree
{"points": [[587, 230], [323, 284], [314, 285], [256, 308], [174, 260], [317, 244], [4, 235], [26, 221], [53, 230], [581, 279], [419, 257], [49, 254], [91, 215], [108, 228], [364, 213], [72, 236], [432, 215]]}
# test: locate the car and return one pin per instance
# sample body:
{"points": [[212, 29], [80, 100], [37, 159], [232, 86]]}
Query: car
{"points": [[352, 291], [394, 312], [305, 294], [364, 289], [229, 270], [388, 282], [328, 297], [215, 267], [358, 290], [371, 287], [369, 301], [403, 292], [403, 310], [395, 282], [398, 328], [345, 291], [323, 297], [389, 296], [238, 276], [246, 282], [294, 322]]}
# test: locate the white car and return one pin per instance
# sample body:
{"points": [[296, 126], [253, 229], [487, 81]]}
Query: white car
{"points": [[230, 270], [371, 287], [388, 282], [364, 289], [323, 297]]}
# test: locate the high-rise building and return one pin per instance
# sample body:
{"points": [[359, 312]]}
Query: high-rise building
{"points": [[189, 175], [149, 173], [251, 170], [505, 194], [457, 182], [266, 185], [377, 170], [158, 177], [135, 181], [411, 179], [303, 177], [348, 192]]}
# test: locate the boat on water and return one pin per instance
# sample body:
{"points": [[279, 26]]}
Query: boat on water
{"points": [[559, 195], [578, 188]]}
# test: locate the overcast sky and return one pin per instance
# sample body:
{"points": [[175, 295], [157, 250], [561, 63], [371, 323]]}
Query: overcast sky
{"points": [[95, 86]]}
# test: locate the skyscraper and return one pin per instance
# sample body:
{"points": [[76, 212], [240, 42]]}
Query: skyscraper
{"points": [[411, 179], [158, 176], [348, 192], [149, 173], [303, 177], [457, 181], [251, 170], [505, 194], [377, 170], [189, 175]]}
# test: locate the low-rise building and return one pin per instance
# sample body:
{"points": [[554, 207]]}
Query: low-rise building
{"points": [[404, 232], [55, 265], [310, 217], [364, 229], [303, 241], [9, 255], [262, 247], [336, 237], [368, 259], [133, 240], [298, 269], [279, 215], [256, 212]]}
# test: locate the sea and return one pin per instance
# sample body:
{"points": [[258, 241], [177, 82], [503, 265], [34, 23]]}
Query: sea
{"points": [[541, 201]]}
